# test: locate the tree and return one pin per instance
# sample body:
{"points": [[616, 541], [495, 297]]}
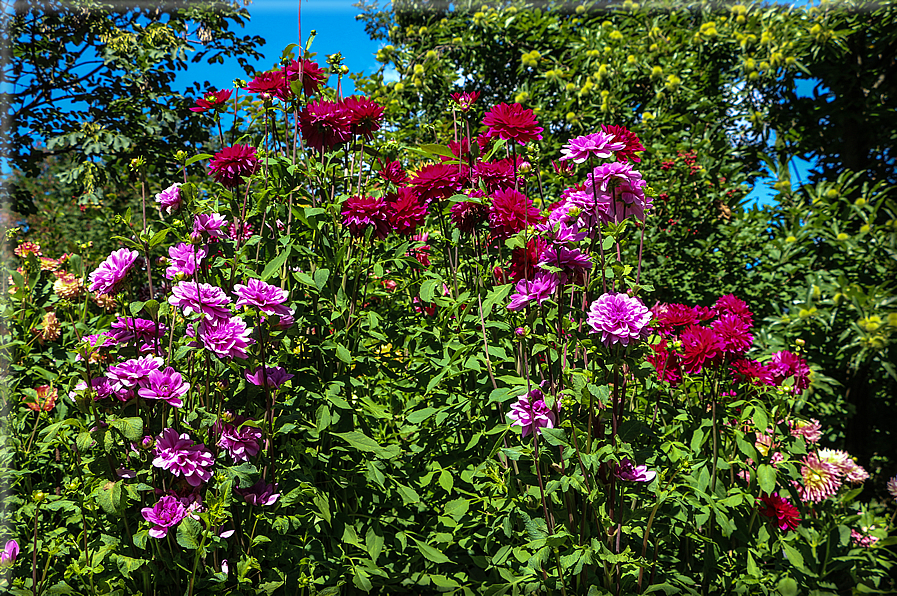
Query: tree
{"points": [[92, 82]]}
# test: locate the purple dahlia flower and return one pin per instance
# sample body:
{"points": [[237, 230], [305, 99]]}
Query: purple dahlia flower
{"points": [[265, 297], [259, 494], [200, 298], [619, 318], [531, 413], [170, 199], [631, 473], [110, 275], [182, 457], [599, 144], [166, 385], [165, 514]]}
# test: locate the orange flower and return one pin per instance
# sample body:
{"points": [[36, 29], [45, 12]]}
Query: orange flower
{"points": [[46, 399]]}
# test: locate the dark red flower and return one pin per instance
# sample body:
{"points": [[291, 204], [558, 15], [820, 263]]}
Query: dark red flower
{"points": [[404, 211], [511, 212], [360, 212], [211, 100], [364, 115], [751, 371], [735, 333], [393, 172], [700, 346], [670, 316], [734, 306], [324, 125], [495, 175], [465, 101], [666, 362], [786, 515], [467, 215], [523, 261], [632, 142], [312, 75], [271, 83], [231, 164], [512, 123], [435, 182]]}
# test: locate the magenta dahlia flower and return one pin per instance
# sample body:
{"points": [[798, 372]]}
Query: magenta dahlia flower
{"points": [[130, 372], [166, 385], [572, 260], [666, 363], [211, 100], [751, 371], [620, 319], [324, 125], [170, 199], [125, 329], [600, 145], [361, 212], [734, 306], [785, 515], [276, 376], [183, 259], [109, 277], [230, 165], [539, 289], [226, 338], [164, 515], [210, 224], [512, 123], [203, 299], [182, 457], [629, 472], [734, 332], [262, 296], [892, 487], [494, 175], [531, 413], [9, 554], [784, 364], [524, 259], [272, 83], [241, 441], [405, 211], [512, 212], [393, 172], [259, 494]]}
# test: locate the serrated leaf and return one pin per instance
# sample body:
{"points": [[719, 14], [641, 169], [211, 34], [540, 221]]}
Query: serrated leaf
{"points": [[189, 531], [131, 428]]}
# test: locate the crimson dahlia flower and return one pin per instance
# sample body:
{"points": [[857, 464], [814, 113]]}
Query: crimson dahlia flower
{"points": [[231, 164], [312, 75], [467, 215], [631, 143], [512, 122], [324, 125], [211, 100], [360, 212], [364, 115], [405, 212], [512, 212], [779, 509]]}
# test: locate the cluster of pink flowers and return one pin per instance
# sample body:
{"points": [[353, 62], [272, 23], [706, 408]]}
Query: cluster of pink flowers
{"points": [[726, 340], [144, 375], [824, 471]]}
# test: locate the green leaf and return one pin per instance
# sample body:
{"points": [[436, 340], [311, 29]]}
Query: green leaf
{"points": [[131, 428], [457, 508], [556, 437], [362, 442], [437, 150], [189, 532], [158, 237], [446, 481], [430, 553], [420, 415], [761, 422], [320, 278], [494, 296], [277, 262], [794, 556], [373, 543], [343, 354], [128, 565], [111, 498], [428, 290], [408, 494], [787, 587], [197, 158], [766, 475]]}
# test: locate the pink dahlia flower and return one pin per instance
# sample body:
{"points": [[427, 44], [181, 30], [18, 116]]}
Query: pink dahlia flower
{"points": [[166, 385], [210, 224], [312, 75], [164, 515], [230, 165], [892, 486], [184, 259], [272, 83], [275, 375], [226, 338], [435, 182], [109, 277], [572, 260], [364, 114], [360, 212], [182, 457], [734, 306], [629, 472], [734, 332], [512, 122], [203, 299], [784, 364], [170, 199], [810, 430], [820, 479], [599, 144], [538, 289], [700, 346], [241, 441], [750, 371], [620, 319], [9, 554], [531, 413], [512, 212], [131, 372], [262, 296], [465, 101], [393, 172]]}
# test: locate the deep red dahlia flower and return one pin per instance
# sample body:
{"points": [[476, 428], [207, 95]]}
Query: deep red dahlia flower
{"points": [[785, 515], [666, 362], [312, 75], [231, 164], [364, 115], [632, 142], [324, 124], [465, 101], [700, 346], [405, 212], [435, 182], [361, 212], [211, 100], [511, 212], [467, 215], [523, 261], [393, 172], [495, 175], [271, 83], [512, 123]]}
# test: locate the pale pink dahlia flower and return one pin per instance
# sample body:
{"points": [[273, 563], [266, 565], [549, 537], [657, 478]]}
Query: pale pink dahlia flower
{"points": [[620, 319]]}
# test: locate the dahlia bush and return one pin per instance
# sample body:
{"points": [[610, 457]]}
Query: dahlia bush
{"points": [[326, 366]]}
